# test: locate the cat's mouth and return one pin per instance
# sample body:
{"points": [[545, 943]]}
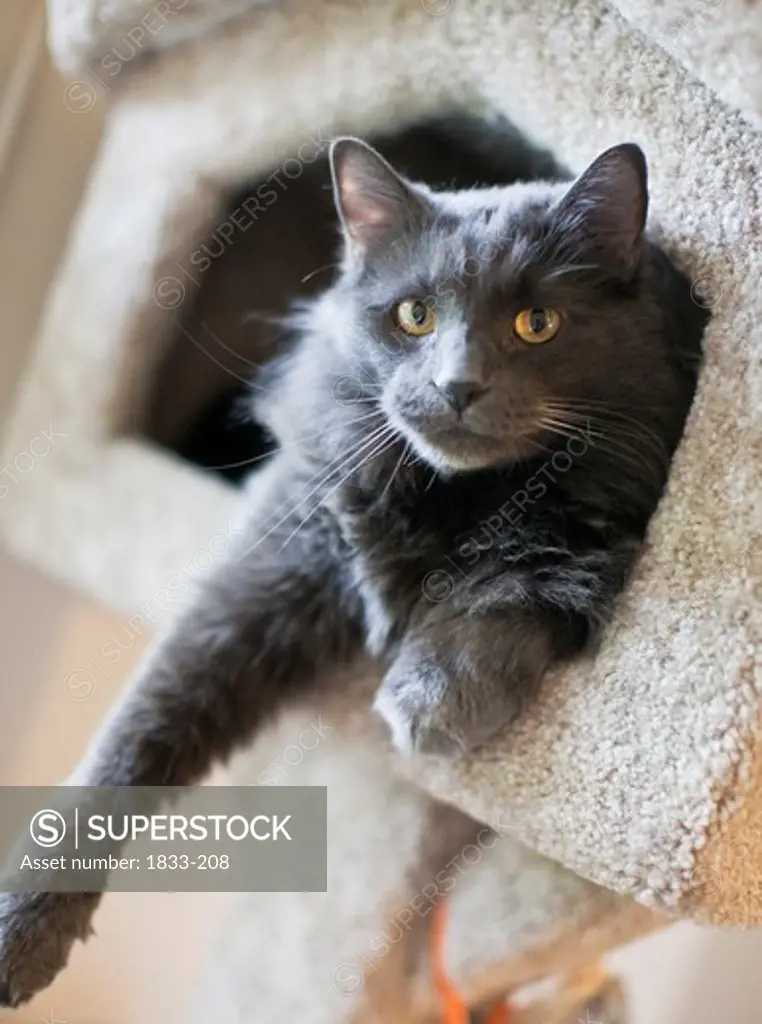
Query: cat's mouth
{"points": [[448, 440], [458, 447]]}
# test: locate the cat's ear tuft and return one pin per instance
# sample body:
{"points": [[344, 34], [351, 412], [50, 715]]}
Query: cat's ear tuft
{"points": [[374, 203], [604, 212]]}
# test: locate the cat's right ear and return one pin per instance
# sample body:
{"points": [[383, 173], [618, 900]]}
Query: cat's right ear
{"points": [[375, 204]]}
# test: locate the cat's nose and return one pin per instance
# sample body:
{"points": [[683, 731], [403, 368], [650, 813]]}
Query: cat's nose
{"points": [[460, 393]]}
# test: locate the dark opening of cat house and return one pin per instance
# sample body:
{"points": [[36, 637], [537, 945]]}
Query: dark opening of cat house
{"points": [[279, 243]]}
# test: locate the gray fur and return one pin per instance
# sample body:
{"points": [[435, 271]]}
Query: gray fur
{"points": [[381, 481]]}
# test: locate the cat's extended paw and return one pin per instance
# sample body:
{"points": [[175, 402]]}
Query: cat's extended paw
{"points": [[37, 932], [414, 729], [427, 719]]}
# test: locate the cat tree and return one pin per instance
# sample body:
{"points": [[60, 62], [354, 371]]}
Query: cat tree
{"points": [[639, 776]]}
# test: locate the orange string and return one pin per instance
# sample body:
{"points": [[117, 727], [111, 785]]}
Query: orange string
{"points": [[454, 1010], [501, 1014]]}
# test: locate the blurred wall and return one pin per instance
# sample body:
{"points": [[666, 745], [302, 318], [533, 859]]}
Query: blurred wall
{"points": [[47, 632]]}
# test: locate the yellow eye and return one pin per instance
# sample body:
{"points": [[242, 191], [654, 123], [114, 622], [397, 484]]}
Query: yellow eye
{"points": [[538, 324], [414, 317]]}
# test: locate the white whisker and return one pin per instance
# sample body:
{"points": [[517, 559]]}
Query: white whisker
{"points": [[395, 470], [243, 380], [385, 442], [296, 443], [325, 476]]}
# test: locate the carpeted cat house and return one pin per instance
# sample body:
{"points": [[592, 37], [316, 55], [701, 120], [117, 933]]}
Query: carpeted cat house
{"points": [[633, 792]]}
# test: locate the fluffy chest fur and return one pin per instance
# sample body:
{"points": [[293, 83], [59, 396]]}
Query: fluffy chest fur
{"points": [[539, 536]]}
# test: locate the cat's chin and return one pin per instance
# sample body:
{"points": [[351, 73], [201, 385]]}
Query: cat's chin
{"points": [[453, 452]]}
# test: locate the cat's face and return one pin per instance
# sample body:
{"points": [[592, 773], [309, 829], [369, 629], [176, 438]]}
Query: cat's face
{"points": [[494, 321]]}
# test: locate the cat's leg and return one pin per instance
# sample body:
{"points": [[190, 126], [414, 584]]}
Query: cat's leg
{"points": [[468, 665], [459, 678], [258, 633]]}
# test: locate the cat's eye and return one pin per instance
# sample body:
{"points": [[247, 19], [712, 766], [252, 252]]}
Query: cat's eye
{"points": [[537, 324], [413, 316]]}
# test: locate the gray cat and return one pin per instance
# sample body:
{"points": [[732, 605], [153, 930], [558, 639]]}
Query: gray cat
{"points": [[475, 426]]}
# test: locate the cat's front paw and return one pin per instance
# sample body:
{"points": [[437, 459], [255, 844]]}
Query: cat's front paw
{"points": [[37, 932], [427, 714], [411, 726]]}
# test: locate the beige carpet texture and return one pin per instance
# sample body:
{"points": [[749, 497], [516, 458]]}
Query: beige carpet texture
{"points": [[639, 772]]}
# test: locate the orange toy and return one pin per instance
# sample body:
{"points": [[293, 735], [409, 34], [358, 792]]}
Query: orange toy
{"points": [[454, 1010]]}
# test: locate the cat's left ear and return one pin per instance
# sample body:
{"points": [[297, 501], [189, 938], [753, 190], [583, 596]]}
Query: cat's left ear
{"points": [[375, 204], [603, 214]]}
